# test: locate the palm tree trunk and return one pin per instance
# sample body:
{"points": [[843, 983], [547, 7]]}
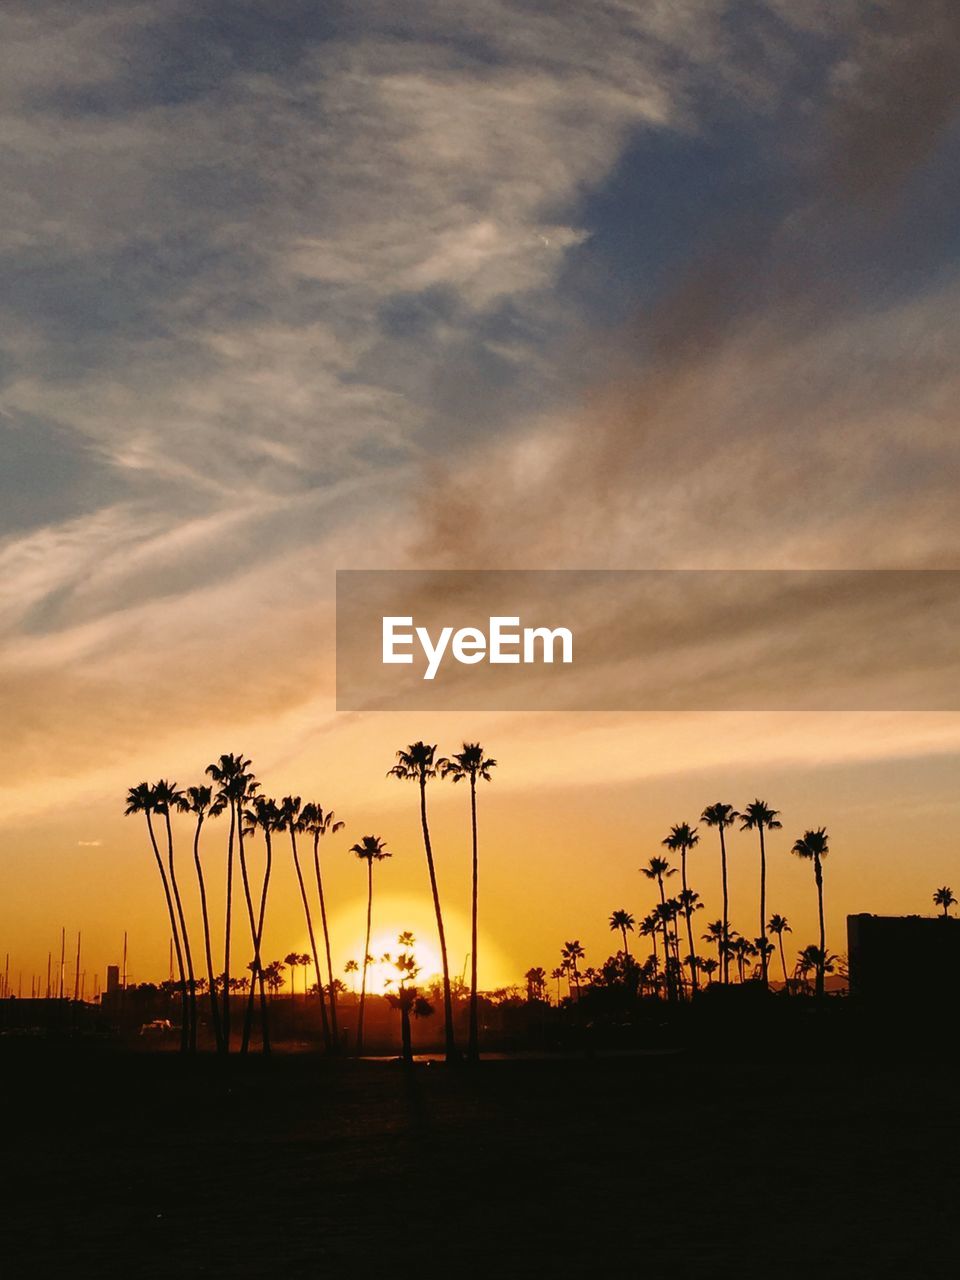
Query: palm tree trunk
{"points": [[190, 999], [762, 935], [783, 961], [725, 958], [226, 932], [313, 943], [335, 1030], [449, 1042], [694, 985], [366, 952], [214, 1003], [184, 1043], [405, 1036], [626, 949], [821, 963], [667, 975], [257, 931], [473, 1048]]}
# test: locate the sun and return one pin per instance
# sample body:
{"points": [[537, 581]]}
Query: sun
{"points": [[384, 942]]}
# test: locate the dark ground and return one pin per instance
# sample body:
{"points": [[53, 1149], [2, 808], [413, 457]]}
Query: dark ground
{"points": [[691, 1164]]}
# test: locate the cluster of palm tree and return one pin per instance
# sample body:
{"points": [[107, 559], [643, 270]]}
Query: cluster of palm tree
{"points": [[235, 791], [669, 972]]}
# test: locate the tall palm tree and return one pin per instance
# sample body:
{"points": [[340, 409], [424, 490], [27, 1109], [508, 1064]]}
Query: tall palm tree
{"points": [[292, 961], [262, 813], [351, 967], [418, 764], [321, 823], [757, 816], [557, 975], [623, 921], [370, 849], [648, 929], [943, 898], [293, 820], [683, 838], [236, 784], [167, 797], [471, 763], [721, 816], [199, 801], [813, 846], [778, 926], [141, 799], [659, 869]]}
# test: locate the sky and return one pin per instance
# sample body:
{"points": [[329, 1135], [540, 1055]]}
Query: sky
{"points": [[288, 288]]}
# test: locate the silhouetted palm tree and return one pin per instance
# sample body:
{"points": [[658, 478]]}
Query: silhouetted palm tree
{"points": [[572, 952], [352, 967], [292, 961], [369, 850], [167, 797], [757, 816], [536, 980], [814, 847], [471, 763], [320, 823], [418, 764], [199, 801], [721, 816], [682, 838], [623, 921], [658, 869], [265, 814], [943, 897], [292, 820], [141, 799], [778, 926], [557, 975], [236, 784], [744, 950]]}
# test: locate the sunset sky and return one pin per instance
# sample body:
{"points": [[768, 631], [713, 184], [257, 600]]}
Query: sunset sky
{"points": [[289, 287]]}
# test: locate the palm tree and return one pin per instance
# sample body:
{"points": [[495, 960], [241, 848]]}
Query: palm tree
{"points": [[744, 950], [943, 897], [167, 797], [236, 784], [658, 869], [814, 957], [418, 764], [709, 967], [814, 847], [293, 963], [265, 814], [141, 799], [352, 967], [778, 926], [536, 980], [319, 823], [721, 816], [648, 929], [369, 850], [759, 817], [292, 819], [623, 921], [473, 764], [557, 975], [683, 837], [199, 801], [571, 953]]}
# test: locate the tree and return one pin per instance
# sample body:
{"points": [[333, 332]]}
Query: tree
{"points": [[814, 958], [943, 897], [352, 968], [658, 869], [236, 784], [536, 980], [319, 823], [167, 797], [407, 998], [571, 953], [292, 820], [759, 817], [683, 838], [721, 816], [557, 975], [142, 799], [199, 801], [778, 926], [292, 961], [471, 763], [418, 764], [272, 975], [266, 815], [813, 846], [623, 921], [369, 849], [743, 949]]}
